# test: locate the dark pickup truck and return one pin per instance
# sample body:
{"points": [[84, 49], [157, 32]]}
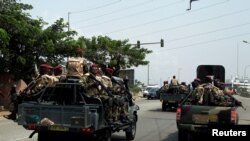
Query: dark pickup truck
{"points": [[172, 97], [193, 118], [66, 112]]}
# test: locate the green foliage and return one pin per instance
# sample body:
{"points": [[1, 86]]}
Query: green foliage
{"points": [[118, 54], [25, 41]]}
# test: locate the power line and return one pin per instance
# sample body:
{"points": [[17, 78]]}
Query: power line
{"points": [[206, 42], [166, 18], [193, 23], [134, 14], [115, 11], [102, 6], [213, 31], [98, 7]]}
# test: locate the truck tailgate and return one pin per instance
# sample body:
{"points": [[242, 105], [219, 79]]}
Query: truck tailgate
{"points": [[69, 116], [172, 98], [205, 114]]}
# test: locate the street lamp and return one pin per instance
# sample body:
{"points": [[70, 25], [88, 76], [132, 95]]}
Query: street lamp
{"points": [[244, 41], [245, 71]]}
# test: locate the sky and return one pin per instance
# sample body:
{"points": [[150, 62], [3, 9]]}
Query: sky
{"points": [[211, 33]]}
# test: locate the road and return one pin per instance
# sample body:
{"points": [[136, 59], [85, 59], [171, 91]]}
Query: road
{"points": [[153, 124]]}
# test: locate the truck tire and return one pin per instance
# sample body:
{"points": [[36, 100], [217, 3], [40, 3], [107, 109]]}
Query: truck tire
{"points": [[130, 133], [164, 106], [182, 135]]}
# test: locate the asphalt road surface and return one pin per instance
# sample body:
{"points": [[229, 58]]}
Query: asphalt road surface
{"points": [[153, 124]]}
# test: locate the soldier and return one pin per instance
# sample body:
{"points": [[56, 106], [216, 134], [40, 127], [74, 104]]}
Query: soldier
{"points": [[163, 89], [174, 81], [197, 92], [58, 73], [183, 88], [165, 86], [76, 66], [208, 93], [95, 86], [40, 82]]}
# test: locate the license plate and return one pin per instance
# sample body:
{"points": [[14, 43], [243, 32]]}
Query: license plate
{"points": [[171, 101], [204, 119], [58, 128]]}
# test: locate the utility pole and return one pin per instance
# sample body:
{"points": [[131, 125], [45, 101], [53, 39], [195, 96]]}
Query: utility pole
{"points": [[68, 21], [148, 75]]}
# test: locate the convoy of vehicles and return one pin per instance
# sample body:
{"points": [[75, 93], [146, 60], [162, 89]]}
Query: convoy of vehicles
{"points": [[195, 118], [65, 112]]}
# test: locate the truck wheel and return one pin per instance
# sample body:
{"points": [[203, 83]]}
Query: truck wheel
{"points": [[164, 106], [130, 134], [182, 135]]}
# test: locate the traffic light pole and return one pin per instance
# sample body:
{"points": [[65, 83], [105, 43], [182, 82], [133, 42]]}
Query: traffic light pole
{"points": [[139, 43]]}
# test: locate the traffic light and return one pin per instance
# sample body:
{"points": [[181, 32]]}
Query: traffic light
{"points": [[162, 43], [138, 44]]}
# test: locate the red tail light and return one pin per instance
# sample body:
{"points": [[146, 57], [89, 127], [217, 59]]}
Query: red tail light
{"points": [[178, 113], [31, 127], [233, 115], [86, 130]]}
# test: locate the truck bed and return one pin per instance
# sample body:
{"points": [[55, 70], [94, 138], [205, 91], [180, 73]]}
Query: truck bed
{"points": [[75, 116]]}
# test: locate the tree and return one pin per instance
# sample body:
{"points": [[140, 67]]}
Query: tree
{"points": [[18, 32], [118, 54], [24, 42]]}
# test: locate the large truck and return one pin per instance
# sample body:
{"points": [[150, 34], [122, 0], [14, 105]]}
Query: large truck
{"points": [[193, 118], [65, 112]]}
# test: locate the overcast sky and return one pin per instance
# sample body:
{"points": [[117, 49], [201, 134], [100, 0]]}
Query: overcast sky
{"points": [[209, 33]]}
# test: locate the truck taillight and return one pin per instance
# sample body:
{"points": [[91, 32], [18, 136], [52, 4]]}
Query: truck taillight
{"points": [[178, 114], [31, 127], [86, 130], [233, 115]]}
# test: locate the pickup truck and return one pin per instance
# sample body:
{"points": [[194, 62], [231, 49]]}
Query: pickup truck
{"points": [[171, 98], [193, 118], [65, 112]]}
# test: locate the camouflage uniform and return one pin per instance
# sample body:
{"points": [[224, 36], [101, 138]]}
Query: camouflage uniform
{"points": [[197, 95], [35, 86], [99, 89], [183, 88], [164, 88], [207, 94], [120, 107], [75, 66]]}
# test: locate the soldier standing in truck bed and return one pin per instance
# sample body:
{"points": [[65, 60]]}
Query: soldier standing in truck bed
{"points": [[174, 81]]}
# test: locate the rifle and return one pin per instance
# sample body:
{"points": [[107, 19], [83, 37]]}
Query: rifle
{"points": [[100, 83], [236, 102]]}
